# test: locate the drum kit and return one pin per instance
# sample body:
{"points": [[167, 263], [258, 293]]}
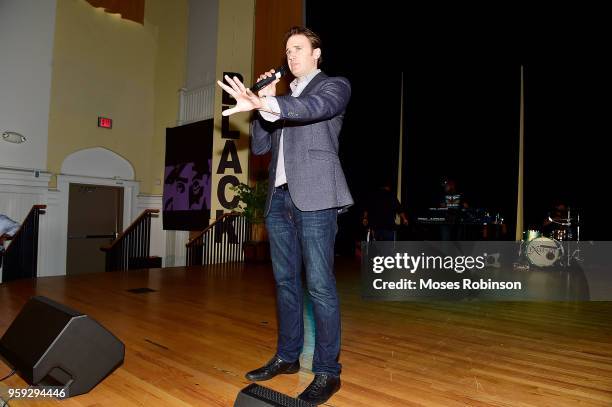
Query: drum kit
{"points": [[559, 247]]}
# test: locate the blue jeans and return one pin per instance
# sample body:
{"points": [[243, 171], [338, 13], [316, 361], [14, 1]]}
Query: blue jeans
{"points": [[308, 237]]}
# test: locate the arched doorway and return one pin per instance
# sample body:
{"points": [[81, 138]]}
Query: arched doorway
{"points": [[99, 195]]}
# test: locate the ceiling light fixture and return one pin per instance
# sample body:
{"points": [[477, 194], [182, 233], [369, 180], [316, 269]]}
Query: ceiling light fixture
{"points": [[13, 137]]}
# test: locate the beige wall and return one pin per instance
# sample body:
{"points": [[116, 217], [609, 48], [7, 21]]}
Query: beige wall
{"points": [[234, 54], [103, 65], [26, 52]]}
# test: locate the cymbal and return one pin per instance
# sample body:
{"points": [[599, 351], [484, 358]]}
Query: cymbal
{"points": [[565, 223], [570, 219]]}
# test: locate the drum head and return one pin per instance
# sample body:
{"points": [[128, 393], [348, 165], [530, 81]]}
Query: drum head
{"points": [[544, 252]]}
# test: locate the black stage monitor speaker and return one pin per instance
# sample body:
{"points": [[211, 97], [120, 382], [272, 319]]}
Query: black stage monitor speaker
{"points": [[50, 344], [258, 396]]}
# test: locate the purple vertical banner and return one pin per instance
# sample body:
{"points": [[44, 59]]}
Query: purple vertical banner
{"points": [[187, 176]]}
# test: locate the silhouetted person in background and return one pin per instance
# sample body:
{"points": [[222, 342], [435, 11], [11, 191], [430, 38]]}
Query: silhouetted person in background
{"points": [[380, 212], [556, 224], [454, 203]]}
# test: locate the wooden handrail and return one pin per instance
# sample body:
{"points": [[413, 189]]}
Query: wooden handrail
{"points": [[16, 235], [219, 219], [220, 242], [129, 229]]}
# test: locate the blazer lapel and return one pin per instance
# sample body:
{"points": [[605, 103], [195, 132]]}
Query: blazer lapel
{"points": [[317, 78]]}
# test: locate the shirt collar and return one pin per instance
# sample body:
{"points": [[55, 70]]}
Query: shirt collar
{"points": [[303, 82]]}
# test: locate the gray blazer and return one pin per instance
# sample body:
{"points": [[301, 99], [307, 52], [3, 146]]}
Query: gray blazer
{"points": [[311, 123]]}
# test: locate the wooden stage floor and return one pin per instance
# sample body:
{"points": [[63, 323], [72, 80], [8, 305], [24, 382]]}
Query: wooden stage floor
{"points": [[190, 342]]}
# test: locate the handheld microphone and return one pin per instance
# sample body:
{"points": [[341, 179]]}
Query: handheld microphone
{"points": [[278, 73]]}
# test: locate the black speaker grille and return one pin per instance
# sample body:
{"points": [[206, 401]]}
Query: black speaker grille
{"points": [[272, 396]]}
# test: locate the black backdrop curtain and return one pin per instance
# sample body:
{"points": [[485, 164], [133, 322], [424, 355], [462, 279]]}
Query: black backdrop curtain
{"points": [[462, 122], [461, 105]]}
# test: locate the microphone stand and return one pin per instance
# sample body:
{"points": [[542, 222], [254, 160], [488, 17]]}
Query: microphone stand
{"points": [[577, 251], [569, 221]]}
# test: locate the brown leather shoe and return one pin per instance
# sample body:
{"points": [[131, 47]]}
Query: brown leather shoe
{"points": [[275, 366]]}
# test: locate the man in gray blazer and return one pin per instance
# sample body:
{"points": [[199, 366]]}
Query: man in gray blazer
{"points": [[307, 190]]}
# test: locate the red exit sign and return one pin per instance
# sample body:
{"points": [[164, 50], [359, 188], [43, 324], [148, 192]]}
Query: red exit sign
{"points": [[105, 122]]}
